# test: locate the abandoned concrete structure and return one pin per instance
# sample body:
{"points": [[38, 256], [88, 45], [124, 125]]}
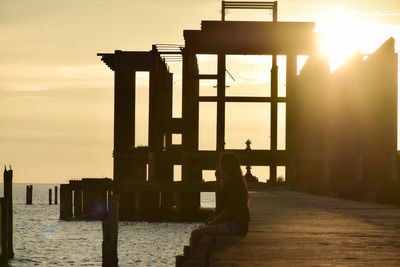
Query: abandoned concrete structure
{"points": [[341, 127]]}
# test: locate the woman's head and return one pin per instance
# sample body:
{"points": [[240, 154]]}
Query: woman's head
{"points": [[229, 166]]}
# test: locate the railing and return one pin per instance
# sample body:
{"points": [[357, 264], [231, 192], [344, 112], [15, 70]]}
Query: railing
{"points": [[251, 5]]}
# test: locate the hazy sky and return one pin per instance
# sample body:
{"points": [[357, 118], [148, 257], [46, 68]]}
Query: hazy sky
{"points": [[56, 96]]}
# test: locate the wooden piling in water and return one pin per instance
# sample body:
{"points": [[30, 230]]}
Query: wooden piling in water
{"points": [[27, 195], [8, 175], [110, 233], [50, 196], [29, 190], [3, 231], [55, 195]]}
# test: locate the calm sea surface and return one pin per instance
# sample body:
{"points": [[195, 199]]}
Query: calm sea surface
{"points": [[41, 239]]}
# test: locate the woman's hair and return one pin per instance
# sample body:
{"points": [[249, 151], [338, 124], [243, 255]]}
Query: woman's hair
{"points": [[229, 164]]}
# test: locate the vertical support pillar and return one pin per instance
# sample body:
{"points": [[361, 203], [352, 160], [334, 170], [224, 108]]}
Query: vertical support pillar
{"points": [[274, 116], [55, 195], [146, 205], [77, 204], [94, 203], [291, 77], [65, 202], [110, 233], [223, 11], [8, 177], [50, 197], [124, 117], [167, 198], [29, 195], [275, 11], [221, 102], [127, 205], [189, 202], [4, 229]]}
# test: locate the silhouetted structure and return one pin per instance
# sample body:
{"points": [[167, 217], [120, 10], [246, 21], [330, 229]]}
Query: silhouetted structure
{"points": [[29, 192], [56, 195], [347, 123], [340, 126], [110, 234], [6, 213], [249, 176]]}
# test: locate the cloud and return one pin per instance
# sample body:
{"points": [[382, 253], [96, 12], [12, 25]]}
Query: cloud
{"points": [[52, 77]]}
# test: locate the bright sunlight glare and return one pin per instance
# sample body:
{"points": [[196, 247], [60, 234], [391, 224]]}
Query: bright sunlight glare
{"points": [[343, 34]]}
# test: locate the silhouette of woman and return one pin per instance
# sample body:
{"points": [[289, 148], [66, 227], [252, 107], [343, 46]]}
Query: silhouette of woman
{"points": [[233, 218]]}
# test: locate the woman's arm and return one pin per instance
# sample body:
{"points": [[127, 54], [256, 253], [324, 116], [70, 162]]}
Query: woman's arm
{"points": [[221, 216]]}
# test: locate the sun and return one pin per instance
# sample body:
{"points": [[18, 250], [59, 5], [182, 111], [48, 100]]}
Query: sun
{"points": [[343, 34]]}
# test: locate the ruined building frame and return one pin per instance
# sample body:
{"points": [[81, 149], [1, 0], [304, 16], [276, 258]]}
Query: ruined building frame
{"points": [[341, 127]]}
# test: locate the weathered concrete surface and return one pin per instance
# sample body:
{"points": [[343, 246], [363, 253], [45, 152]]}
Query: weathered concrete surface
{"points": [[295, 229]]}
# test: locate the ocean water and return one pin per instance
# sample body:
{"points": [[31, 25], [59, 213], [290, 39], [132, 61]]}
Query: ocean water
{"points": [[41, 239]]}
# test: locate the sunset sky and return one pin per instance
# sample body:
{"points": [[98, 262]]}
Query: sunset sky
{"points": [[56, 96]]}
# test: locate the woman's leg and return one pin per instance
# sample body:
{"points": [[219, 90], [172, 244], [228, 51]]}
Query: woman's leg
{"points": [[214, 229]]}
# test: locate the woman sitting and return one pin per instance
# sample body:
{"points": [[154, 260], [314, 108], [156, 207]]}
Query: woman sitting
{"points": [[233, 217]]}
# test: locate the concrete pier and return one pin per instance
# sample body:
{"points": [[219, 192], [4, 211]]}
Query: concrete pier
{"points": [[289, 228], [88, 199]]}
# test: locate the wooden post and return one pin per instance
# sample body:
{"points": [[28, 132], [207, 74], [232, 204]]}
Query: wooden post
{"points": [[110, 233], [30, 194], [55, 195], [8, 175], [3, 231], [28, 200], [50, 194]]}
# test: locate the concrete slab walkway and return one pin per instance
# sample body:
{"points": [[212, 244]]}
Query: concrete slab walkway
{"points": [[289, 228]]}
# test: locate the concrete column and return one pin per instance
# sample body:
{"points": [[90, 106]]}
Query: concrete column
{"points": [[94, 203], [274, 116], [291, 77], [124, 119], [274, 104], [190, 116], [78, 204], [187, 205], [221, 102], [65, 202], [146, 205], [127, 206]]}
